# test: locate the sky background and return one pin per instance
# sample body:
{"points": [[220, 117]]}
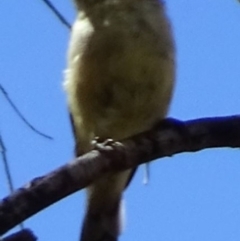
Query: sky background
{"points": [[191, 196]]}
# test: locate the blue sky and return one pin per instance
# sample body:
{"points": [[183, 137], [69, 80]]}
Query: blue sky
{"points": [[191, 196]]}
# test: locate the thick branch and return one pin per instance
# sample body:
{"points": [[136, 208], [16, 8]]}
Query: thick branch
{"points": [[167, 138], [23, 235]]}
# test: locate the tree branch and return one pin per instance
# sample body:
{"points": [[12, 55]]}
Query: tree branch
{"points": [[60, 17], [22, 235], [20, 115], [167, 138]]}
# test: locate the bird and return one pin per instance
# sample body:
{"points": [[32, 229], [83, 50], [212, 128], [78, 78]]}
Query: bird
{"points": [[119, 82]]}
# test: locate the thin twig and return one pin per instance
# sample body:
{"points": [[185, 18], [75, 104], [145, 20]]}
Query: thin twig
{"points": [[3, 151], [21, 115], [6, 165], [57, 13]]}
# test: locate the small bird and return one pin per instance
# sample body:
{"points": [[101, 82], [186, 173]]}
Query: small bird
{"points": [[119, 82]]}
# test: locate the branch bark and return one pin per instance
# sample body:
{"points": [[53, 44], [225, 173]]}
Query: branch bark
{"points": [[167, 138]]}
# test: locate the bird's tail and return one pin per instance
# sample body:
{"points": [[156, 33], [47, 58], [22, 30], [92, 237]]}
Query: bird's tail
{"points": [[102, 225], [103, 218]]}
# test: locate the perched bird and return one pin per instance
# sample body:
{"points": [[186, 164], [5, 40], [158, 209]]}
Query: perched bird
{"points": [[119, 82]]}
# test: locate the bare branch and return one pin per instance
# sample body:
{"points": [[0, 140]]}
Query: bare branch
{"points": [[23, 235], [3, 151], [20, 115], [167, 138], [57, 14], [6, 165]]}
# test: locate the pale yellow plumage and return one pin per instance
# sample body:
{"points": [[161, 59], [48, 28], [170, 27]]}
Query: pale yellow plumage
{"points": [[119, 83]]}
